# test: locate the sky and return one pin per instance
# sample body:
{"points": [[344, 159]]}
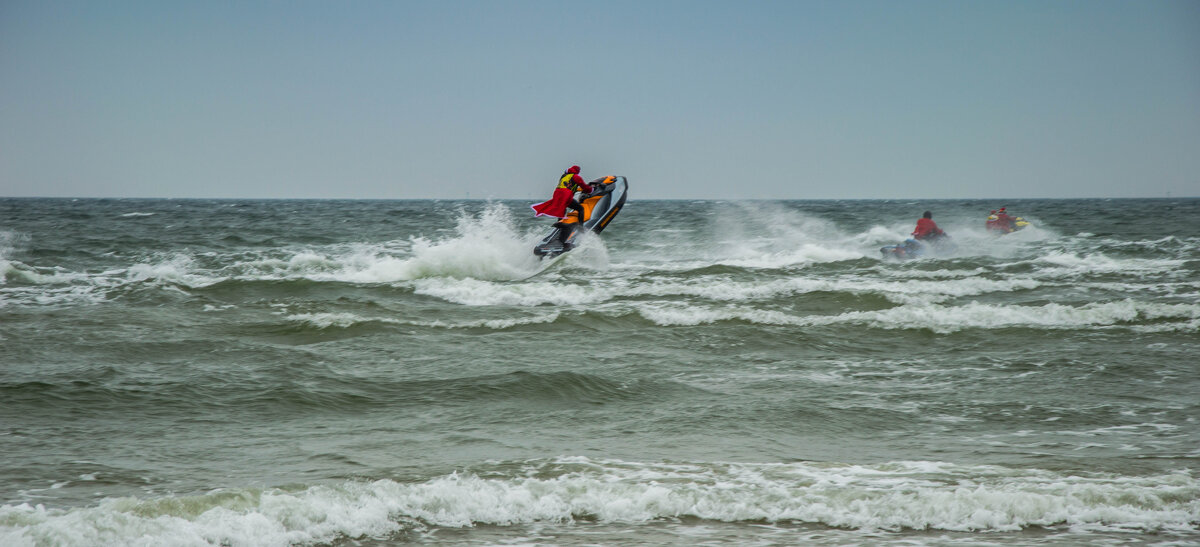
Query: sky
{"points": [[695, 99]]}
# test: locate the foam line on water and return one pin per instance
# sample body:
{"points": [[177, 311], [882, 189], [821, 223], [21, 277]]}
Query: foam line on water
{"points": [[483, 246], [568, 291], [947, 319], [888, 496], [1066, 263], [486, 245], [323, 321]]}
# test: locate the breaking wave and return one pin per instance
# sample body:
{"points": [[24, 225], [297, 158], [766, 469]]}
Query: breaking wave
{"points": [[890, 496], [947, 319]]}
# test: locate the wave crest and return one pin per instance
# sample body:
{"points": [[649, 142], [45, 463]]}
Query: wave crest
{"points": [[890, 496]]}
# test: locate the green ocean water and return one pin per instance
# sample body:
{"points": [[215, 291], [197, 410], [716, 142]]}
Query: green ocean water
{"points": [[222, 372]]}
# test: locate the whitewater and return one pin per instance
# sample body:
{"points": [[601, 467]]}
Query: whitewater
{"points": [[338, 372]]}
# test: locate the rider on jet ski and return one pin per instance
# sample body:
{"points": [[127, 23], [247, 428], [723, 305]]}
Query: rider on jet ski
{"points": [[1000, 221], [927, 229], [563, 198]]}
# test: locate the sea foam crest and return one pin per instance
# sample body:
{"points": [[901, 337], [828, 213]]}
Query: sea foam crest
{"points": [[791, 255], [764, 236], [486, 246], [947, 319], [323, 321], [892, 496], [178, 268], [1058, 263], [475, 292], [8, 244], [483, 246], [555, 291], [51, 285], [327, 320]]}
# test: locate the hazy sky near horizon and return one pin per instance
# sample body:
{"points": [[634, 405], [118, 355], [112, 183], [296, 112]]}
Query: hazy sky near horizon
{"points": [[703, 99]]}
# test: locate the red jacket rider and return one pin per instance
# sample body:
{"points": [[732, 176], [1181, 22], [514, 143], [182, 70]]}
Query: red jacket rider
{"points": [[927, 228], [564, 196], [1003, 221]]}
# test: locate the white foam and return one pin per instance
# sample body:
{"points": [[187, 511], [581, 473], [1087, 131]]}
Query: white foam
{"points": [[931, 274], [58, 286], [347, 320], [768, 236], [179, 268], [16, 270], [880, 235], [671, 315], [1065, 263], [890, 496], [946, 319], [53, 293], [331, 264], [1165, 244], [976, 240], [475, 292], [793, 255], [326, 320], [566, 291], [485, 246], [497, 324], [922, 291], [1186, 326]]}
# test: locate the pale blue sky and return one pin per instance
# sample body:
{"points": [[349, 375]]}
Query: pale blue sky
{"points": [[689, 99]]}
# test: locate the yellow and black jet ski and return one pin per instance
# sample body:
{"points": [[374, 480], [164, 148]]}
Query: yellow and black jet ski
{"points": [[599, 207]]}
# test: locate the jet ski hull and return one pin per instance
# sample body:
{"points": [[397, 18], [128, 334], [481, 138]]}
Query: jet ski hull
{"points": [[1017, 225], [600, 207], [912, 248]]}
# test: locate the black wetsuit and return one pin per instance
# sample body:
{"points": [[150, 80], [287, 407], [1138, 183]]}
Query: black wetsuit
{"points": [[565, 230]]}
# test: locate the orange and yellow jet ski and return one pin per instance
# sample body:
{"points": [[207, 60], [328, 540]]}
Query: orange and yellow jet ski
{"points": [[599, 207]]}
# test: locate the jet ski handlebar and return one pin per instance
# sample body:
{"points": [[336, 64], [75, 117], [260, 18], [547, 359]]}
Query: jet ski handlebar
{"points": [[598, 189]]}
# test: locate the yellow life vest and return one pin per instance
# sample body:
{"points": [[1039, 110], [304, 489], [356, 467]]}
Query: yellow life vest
{"points": [[565, 182]]}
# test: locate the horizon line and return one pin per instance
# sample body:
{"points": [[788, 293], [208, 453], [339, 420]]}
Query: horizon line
{"points": [[526, 199]]}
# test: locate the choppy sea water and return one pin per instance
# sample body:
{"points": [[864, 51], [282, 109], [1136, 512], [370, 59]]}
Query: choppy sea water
{"points": [[197, 372]]}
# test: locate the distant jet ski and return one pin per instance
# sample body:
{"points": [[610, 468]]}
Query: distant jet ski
{"points": [[995, 226], [599, 207], [912, 248], [1000, 223]]}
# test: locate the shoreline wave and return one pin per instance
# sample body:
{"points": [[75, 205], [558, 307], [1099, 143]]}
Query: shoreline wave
{"points": [[893, 496]]}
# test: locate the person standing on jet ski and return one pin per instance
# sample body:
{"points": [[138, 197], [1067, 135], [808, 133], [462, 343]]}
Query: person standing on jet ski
{"points": [[927, 229], [564, 196]]}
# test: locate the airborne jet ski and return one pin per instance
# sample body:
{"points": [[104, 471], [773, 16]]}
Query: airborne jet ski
{"points": [[599, 207]]}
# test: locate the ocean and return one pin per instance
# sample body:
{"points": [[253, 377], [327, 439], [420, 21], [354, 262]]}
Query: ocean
{"points": [[344, 373]]}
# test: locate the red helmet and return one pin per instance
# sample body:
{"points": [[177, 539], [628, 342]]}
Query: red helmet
{"points": [[574, 170]]}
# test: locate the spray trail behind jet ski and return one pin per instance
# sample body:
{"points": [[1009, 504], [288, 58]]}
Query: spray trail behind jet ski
{"points": [[484, 246], [742, 235]]}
